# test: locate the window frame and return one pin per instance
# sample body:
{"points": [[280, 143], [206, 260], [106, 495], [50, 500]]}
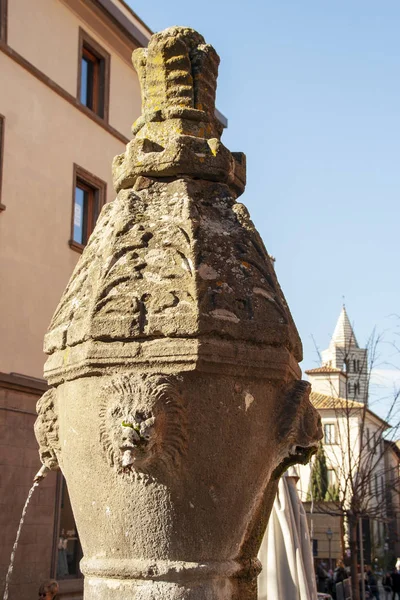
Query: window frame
{"points": [[331, 476], [2, 130], [3, 20], [95, 184], [331, 443], [93, 50]]}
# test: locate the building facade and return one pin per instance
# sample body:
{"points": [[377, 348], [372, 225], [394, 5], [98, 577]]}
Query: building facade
{"points": [[69, 95], [392, 532], [360, 462]]}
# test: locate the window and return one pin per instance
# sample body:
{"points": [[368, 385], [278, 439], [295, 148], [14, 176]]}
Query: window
{"points": [[349, 388], [3, 21], [2, 207], [356, 389], [375, 441], [331, 476], [89, 194], [93, 76], [68, 551], [329, 433]]}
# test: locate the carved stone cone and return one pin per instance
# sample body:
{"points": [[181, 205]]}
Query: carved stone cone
{"points": [[176, 402]]}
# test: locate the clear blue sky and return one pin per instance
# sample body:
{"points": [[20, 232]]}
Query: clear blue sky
{"points": [[311, 90]]}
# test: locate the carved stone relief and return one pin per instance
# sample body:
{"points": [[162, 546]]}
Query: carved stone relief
{"points": [[46, 429], [143, 424]]}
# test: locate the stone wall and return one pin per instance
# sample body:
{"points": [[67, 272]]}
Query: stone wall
{"points": [[19, 462]]}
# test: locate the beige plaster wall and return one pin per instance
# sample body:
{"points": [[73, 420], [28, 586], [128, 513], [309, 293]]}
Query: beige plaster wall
{"points": [[44, 136], [48, 37], [321, 384], [45, 33], [125, 99]]}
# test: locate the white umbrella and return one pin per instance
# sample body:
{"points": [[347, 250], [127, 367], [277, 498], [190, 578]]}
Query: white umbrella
{"points": [[285, 553]]}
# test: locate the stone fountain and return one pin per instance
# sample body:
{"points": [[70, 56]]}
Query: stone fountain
{"points": [[176, 401]]}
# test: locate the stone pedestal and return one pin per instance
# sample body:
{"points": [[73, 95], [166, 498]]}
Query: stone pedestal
{"points": [[176, 401]]}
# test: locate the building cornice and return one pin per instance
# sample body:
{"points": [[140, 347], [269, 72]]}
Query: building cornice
{"points": [[325, 370], [23, 383], [113, 13]]}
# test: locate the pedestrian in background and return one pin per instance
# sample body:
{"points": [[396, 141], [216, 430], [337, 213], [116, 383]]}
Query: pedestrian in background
{"points": [[322, 577], [48, 590], [373, 585], [387, 586], [396, 584]]}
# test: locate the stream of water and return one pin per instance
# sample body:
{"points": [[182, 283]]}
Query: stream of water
{"points": [[10, 568]]}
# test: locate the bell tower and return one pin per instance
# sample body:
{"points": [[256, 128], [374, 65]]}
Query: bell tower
{"points": [[345, 354]]}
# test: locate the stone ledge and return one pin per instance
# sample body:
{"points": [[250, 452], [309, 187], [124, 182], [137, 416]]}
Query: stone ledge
{"points": [[23, 383], [165, 570], [166, 354]]}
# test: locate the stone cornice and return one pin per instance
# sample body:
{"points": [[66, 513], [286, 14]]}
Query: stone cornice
{"points": [[23, 383], [168, 354]]}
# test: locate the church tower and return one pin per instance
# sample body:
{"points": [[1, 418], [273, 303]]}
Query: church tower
{"points": [[344, 369]]}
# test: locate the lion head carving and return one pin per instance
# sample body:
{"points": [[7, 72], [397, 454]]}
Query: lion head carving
{"points": [[46, 429], [143, 423], [299, 424]]}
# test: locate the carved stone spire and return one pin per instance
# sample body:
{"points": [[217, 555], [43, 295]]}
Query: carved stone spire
{"points": [[178, 132], [176, 402]]}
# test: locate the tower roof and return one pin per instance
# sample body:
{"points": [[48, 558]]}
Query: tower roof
{"points": [[344, 335]]}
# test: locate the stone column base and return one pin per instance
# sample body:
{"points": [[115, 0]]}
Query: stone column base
{"points": [[164, 580]]}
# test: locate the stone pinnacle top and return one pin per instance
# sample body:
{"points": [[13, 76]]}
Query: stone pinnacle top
{"points": [[178, 133], [178, 76]]}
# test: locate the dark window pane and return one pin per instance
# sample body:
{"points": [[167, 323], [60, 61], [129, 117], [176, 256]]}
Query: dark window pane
{"points": [[79, 214], [329, 433], [87, 82], [3, 20]]}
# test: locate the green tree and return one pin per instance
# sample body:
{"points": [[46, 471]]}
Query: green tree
{"points": [[319, 476], [333, 494]]}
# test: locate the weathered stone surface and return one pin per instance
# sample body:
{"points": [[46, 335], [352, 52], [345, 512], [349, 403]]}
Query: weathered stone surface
{"points": [[178, 133], [176, 402], [174, 259]]}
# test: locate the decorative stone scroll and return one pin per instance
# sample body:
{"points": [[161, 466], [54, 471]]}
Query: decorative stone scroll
{"points": [[176, 401]]}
